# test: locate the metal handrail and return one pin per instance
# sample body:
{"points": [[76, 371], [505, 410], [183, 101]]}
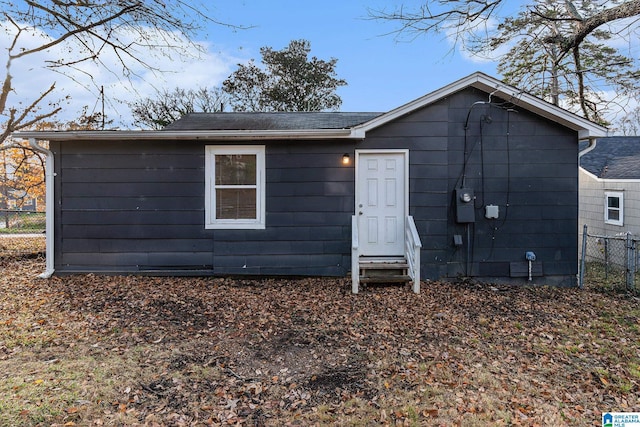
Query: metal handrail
{"points": [[412, 252], [355, 256]]}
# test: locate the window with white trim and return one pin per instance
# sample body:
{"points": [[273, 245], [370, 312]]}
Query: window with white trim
{"points": [[614, 207], [235, 190]]}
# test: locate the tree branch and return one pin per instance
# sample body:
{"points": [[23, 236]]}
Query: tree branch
{"points": [[587, 26], [580, 76], [70, 33], [459, 14]]}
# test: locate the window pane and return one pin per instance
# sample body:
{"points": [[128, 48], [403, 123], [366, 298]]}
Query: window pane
{"points": [[613, 202], [235, 203], [236, 169], [613, 215]]}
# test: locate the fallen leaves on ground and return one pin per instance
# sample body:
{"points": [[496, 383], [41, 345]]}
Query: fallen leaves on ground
{"points": [[105, 350]]}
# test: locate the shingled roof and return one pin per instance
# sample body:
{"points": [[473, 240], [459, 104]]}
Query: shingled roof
{"points": [[270, 121], [616, 157], [334, 126]]}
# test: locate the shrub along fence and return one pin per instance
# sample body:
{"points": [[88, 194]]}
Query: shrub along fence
{"points": [[21, 222], [22, 232], [609, 262]]}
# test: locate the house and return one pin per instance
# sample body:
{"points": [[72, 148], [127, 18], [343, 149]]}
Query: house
{"points": [[21, 201], [610, 186], [476, 179], [16, 200]]}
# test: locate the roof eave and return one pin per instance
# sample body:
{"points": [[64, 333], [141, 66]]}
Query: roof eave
{"points": [[207, 135], [585, 128]]}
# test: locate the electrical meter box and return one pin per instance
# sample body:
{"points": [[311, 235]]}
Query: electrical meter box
{"points": [[465, 206]]}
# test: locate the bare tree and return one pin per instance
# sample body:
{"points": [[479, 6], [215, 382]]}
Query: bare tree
{"points": [[168, 106], [559, 50], [629, 125], [89, 30]]}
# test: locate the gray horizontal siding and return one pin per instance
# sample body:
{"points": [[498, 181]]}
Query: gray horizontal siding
{"points": [[127, 175], [531, 175], [128, 207], [124, 160], [86, 244], [133, 203], [103, 217], [133, 189]]}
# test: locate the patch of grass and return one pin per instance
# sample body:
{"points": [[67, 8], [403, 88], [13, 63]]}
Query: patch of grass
{"points": [[63, 390], [634, 370], [518, 326], [323, 414], [14, 338], [625, 386], [605, 278]]}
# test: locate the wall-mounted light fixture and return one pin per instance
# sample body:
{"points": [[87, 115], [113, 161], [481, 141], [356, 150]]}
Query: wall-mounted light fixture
{"points": [[346, 159]]}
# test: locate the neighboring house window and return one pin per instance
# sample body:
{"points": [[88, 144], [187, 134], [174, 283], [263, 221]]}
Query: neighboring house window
{"points": [[613, 208], [235, 193]]}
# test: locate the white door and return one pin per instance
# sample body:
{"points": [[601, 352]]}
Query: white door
{"points": [[381, 187]]}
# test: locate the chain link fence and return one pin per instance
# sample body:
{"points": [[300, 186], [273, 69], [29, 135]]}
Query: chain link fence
{"points": [[22, 233], [609, 262]]}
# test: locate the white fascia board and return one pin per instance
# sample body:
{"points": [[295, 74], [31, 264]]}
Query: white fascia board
{"points": [[413, 105], [589, 174], [609, 180], [478, 80], [209, 135]]}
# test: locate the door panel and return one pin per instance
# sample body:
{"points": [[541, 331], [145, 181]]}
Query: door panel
{"points": [[380, 202]]}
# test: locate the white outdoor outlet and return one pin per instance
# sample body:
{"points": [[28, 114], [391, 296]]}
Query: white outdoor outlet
{"points": [[491, 212]]}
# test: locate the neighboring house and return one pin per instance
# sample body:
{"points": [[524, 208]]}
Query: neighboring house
{"points": [[477, 173], [610, 186], [17, 200]]}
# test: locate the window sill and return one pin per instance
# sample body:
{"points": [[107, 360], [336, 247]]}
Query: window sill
{"points": [[238, 226]]}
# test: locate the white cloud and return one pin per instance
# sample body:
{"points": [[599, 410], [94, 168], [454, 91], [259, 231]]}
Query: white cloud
{"points": [[185, 67], [619, 106], [626, 31], [465, 37]]}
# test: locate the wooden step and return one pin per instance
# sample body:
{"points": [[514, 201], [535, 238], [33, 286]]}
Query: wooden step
{"points": [[386, 279], [384, 266], [383, 270], [383, 263], [374, 259]]}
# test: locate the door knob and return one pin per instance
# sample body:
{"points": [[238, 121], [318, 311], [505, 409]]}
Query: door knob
{"points": [[360, 213]]}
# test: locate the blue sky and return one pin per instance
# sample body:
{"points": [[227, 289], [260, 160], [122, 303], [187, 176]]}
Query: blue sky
{"points": [[382, 72]]}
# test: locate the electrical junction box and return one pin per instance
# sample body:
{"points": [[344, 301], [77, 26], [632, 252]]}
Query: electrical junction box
{"points": [[465, 205], [491, 212]]}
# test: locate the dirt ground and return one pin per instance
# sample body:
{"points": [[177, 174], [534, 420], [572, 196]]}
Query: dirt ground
{"points": [[101, 350]]}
